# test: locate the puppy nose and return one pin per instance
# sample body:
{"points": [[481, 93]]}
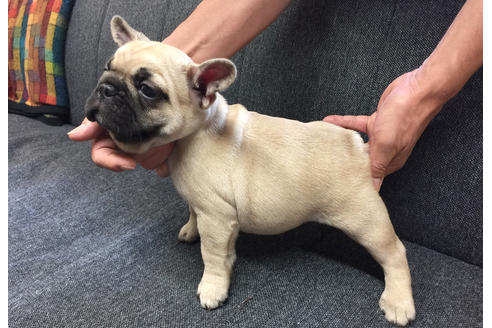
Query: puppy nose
{"points": [[90, 113], [107, 90]]}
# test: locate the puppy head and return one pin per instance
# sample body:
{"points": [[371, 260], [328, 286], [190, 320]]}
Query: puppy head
{"points": [[151, 93]]}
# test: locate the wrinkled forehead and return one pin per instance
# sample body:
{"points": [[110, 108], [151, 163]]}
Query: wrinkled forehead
{"points": [[155, 57]]}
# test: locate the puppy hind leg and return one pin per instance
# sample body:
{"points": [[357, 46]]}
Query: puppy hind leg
{"points": [[189, 232], [373, 229], [396, 301]]}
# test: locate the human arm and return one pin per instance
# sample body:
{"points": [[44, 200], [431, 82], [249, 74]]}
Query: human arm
{"points": [[214, 29], [218, 28], [411, 101]]}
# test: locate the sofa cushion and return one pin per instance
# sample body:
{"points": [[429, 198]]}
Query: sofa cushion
{"points": [[93, 248], [337, 57], [334, 57]]}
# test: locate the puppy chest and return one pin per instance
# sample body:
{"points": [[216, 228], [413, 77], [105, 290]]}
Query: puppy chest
{"points": [[201, 183]]}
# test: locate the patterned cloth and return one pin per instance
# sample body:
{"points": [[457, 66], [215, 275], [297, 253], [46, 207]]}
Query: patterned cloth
{"points": [[36, 55]]}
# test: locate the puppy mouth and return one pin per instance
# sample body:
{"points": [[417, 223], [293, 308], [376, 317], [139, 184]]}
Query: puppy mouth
{"points": [[118, 117], [136, 136], [96, 117], [129, 134], [92, 110]]}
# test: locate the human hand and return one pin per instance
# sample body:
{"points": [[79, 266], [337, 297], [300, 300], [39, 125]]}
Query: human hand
{"points": [[405, 109], [106, 154]]}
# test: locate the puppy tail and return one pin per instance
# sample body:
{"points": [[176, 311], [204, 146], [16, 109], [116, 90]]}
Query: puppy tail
{"points": [[359, 142]]}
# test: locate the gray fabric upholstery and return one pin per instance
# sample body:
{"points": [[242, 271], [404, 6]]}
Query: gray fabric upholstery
{"points": [[335, 57], [92, 248]]}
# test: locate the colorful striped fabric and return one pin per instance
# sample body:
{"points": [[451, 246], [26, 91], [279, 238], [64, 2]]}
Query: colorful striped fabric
{"points": [[37, 32]]}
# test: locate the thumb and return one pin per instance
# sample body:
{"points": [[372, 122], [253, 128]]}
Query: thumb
{"points": [[358, 123], [87, 130], [380, 159], [377, 179]]}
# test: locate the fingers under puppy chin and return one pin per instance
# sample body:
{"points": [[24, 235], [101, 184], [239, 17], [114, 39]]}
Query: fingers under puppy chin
{"points": [[77, 130], [125, 168], [377, 182], [147, 166], [162, 171], [99, 165], [103, 165], [96, 161], [118, 168], [162, 174]]}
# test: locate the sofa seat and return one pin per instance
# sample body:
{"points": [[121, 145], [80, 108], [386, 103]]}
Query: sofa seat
{"points": [[93, 248]]}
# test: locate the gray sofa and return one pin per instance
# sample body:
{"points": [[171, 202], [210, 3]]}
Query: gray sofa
{"points": [[93, 248]]}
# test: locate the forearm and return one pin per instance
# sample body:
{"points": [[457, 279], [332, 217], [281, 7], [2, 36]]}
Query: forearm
{"points": [[220, 28], [457, 56]]}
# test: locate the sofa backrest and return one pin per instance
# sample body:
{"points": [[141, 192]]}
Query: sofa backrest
{"points": [[334, 57]]}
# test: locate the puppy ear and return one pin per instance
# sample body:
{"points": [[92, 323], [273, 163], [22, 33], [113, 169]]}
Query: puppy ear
{"points": [[123, 33], [209, 77]]}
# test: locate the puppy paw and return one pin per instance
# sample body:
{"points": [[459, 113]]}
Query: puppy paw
{"points": [[188, 233], [398, 307], [211, 296]]}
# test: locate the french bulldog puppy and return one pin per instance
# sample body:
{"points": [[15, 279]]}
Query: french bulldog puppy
{"points": [[240, 170]]}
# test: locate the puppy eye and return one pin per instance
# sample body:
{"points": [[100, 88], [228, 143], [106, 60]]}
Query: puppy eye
{"points": [[147, 91]]}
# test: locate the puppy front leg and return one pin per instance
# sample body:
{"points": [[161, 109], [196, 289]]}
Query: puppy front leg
{"points": [[218, 253], [189, 232]]}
